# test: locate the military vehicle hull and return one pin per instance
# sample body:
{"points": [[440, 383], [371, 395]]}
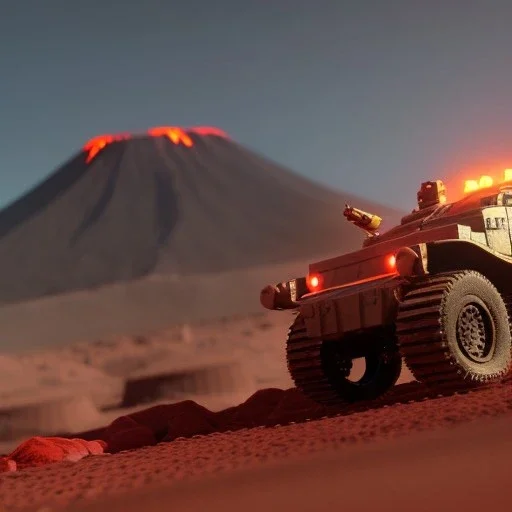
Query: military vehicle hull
{"points": [[432, 293]]}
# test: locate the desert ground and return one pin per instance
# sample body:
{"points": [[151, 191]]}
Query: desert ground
{"points": [[423, 472], [87, 385], [145, 306], [206, 413], [138, 369], [411, 448]]}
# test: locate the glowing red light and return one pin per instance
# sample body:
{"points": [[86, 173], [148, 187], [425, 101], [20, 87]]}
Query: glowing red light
{"points": [[175, 134], [314, 282], [391, 261]]}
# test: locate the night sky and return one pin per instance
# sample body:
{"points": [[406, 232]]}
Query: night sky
{"points": [[368, 96]]}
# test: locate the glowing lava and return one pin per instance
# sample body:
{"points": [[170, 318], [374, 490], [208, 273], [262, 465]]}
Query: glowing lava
{"points": [[175, 134], [95, 145]]}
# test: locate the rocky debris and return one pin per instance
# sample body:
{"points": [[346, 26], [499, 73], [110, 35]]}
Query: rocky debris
{"points": [[163, 423], [39, 451], [266, 408]]}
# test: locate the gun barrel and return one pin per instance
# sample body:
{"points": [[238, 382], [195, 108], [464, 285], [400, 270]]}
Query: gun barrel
{"points": [[364, 220]]}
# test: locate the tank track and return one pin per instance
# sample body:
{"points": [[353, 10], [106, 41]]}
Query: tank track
{"points": [[304, 361], [419, 335], [419, 332], [507, 298]]}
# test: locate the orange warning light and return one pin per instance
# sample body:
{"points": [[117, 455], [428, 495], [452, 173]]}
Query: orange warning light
{"points": [[470, 186], [485, 181], [175, 134]]}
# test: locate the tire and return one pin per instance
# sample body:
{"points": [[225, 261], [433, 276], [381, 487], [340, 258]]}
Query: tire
{"points": [[382, 370], [321, 372], [453, 330]]}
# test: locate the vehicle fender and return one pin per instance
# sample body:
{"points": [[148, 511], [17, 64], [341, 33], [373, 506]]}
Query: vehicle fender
{"points": [[349, 309], [453, 255]]}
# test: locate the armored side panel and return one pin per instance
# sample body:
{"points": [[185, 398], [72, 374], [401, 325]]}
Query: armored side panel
{"points": [[497, 228], [360, 305], [374, 260]]}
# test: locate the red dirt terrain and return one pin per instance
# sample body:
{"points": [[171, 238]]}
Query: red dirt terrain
{"points": [[422, 472], [166, 444]]}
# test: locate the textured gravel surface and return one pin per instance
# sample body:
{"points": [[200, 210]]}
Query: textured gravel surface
{"points": [[99, 476]]}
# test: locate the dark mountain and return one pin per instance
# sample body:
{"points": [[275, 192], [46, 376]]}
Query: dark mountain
{"points": [[170, 202]]}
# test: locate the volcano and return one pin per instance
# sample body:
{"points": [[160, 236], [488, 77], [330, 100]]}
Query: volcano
{"points": [[170, 201]]}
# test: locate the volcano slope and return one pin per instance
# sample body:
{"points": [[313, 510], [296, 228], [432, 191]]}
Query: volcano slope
{"points": [[170, 202]]}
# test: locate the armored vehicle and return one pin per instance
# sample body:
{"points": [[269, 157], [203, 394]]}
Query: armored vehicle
{"points": [[431, 292]]}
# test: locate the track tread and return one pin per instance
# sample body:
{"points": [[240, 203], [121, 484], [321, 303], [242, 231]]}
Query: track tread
{"points": [[305, 365], [420, 336]]}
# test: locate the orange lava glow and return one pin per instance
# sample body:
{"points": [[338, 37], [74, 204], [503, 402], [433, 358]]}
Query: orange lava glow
{"points": [[95, 145], [175, 134]]}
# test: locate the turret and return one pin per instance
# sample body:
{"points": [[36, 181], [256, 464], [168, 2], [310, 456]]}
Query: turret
{"points": [[431, 193]]}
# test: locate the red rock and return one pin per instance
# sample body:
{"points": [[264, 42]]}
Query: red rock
{"points": [[295, 406], [7, 465], [155, 418], [159, 423], [119, 425], [187, 418], [39, 451], [124, 433], [251, 413], [166, 423], [130, 439]]}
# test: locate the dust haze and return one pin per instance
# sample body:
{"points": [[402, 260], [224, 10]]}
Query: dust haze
{"points": [[130, 313]]}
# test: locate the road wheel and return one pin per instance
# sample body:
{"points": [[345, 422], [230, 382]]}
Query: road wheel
{"points": [[382, 369], [322, 371], [453, 329]]}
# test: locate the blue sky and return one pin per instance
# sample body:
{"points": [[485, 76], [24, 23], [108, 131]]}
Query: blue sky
{"points": [[369, 96]]}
